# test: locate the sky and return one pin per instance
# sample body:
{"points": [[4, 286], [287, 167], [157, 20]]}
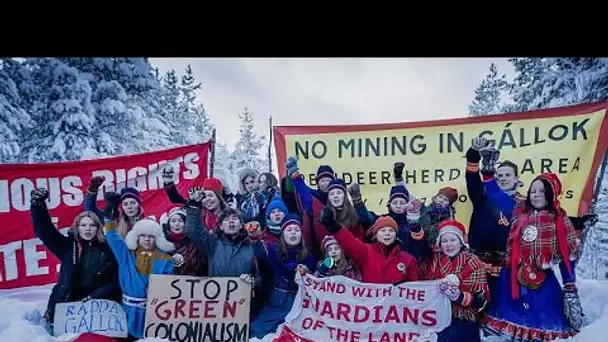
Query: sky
{"points": [[333, 91]]}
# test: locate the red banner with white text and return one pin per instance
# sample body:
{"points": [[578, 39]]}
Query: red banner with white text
{"points": [[24, 261]]}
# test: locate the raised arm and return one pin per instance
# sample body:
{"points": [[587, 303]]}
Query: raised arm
{"points": [[418, 246], [365, 218], [353, 248], [90, 200], [44, 228], [195, 229], [169, 185], [473, 180], [301, 190]]}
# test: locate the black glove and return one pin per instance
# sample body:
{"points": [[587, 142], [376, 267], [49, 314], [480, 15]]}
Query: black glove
{"points": [[38, 197], [329, 221], [477, 144], [490, 157], [473, 156], [95, 183], [196, 196], [589, 220], [398, 171], [112, 203]]}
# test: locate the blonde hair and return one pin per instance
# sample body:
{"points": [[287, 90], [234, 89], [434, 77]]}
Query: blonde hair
{"points": [[99, 234]]}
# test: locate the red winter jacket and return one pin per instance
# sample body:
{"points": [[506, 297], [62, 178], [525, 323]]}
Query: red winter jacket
{"points": [[375, 267]]}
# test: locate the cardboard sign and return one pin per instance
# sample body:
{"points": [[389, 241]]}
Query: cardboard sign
{"points": [[100, 316], [185, 308]]}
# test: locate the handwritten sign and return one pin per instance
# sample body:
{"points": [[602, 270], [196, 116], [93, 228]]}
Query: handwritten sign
{"points": [[195, 309], [343, 310], [100, 316]]}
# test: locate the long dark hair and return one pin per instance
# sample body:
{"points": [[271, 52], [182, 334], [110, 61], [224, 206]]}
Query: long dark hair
{"points": [[346, 215], [283, 249], [548, 196]]}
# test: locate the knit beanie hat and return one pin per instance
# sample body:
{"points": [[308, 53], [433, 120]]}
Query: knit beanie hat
{"points": [[324, 171], [399, 191], [337, 184], [290, 219], [214, 185], [177, 211], [450, 193], [328, 240], [382, 222], [130, 193], [454, 227], [276, 203]]}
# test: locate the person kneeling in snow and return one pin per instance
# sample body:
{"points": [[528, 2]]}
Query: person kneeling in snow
{"points": [[88, 269], [142, 252], [284, 258], [335, 262]]}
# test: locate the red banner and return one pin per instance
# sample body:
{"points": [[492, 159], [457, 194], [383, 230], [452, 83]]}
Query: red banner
{"points": [[24, 261]]}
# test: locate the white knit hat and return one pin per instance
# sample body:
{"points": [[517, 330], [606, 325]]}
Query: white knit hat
{"points": [[148, 226]]}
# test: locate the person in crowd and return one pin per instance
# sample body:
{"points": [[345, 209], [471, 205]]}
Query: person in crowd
{"points": [[382, 261], [251, 200], [189, 259], [288, 195], [440, 209], [463, 278], [335, 262], [212, 188], [144, 251], [271, 231], [227, 247], [531, 304], [284, 259], [266, 182], [131, 209], [88, 268]]}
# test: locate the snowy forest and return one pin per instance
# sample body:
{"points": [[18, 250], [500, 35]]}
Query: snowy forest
{"points": [[68, 109], [541, 83]]}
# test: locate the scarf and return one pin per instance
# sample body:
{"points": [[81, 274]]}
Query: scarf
{"points": [[250, 208], [274, 229]]}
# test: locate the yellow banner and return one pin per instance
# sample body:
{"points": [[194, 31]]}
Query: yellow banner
{"points": [[567, 141]]}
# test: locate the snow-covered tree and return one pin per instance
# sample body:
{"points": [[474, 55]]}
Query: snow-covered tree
{"points": [[13, 118], [199, 127], [248, 149], [223, 169], [489, 96]]}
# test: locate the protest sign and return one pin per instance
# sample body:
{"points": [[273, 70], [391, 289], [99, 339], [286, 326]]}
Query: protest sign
{"points": [[24, 261], [195, 309], [570, 141], [100, 316], [343, 310]]}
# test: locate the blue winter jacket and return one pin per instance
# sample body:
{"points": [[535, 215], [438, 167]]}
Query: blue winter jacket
{"points": [[284, 271]]}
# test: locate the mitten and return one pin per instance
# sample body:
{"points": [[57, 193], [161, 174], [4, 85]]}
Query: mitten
{"points": [[168, 173], [355, 193], [477, 144], [398, 171], [39, 196], [178, 260], [329, 221], [413, 211], [112, 202], [94, 184], [291, 166], [450, 287], [248, 278], [489, 156], [573, 309], [196, 196]]}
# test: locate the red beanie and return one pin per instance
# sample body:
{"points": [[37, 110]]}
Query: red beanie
{"points": [[382, 222], [213, 184], [450, 193], [454, 227]]}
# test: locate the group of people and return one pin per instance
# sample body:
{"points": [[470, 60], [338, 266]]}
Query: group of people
{"points": [[498, 274]]}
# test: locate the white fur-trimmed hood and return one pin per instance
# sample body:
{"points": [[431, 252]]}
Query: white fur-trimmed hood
{"points": [[149, 227], [244, 173]]}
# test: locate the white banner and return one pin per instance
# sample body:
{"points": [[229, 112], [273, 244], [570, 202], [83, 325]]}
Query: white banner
{"points": [[100, 316], [341, 309]]}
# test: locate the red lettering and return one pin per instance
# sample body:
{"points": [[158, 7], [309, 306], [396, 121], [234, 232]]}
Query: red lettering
{"points": [[229, 309], [164, 314], [307, 323], [421, 296], [193, 312], [327, 310], [179, 308], [358, 291], [429, 318], [318, 325], [361, 309], [392, 315], [409, 316], [209, 307], [343, 311]]}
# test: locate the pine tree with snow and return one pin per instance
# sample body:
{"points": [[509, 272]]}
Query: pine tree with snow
{"points": [[490, 93], [247, 152], [199, 127], [14, 120]]}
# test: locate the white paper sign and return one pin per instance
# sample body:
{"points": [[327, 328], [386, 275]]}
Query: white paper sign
{"points": [[100, 316], [341, 309]]}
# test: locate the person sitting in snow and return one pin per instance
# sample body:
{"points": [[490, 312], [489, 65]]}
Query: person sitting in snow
{"points": [[335, 262], [284, 258], [144, 251], [463, 279], [531, 303], [229, 251], [440, 209], [382, 261], [89, 270], [131, 209], [189, 259]]}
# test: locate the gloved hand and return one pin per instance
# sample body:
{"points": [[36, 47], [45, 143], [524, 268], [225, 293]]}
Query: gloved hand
{"points": [[248, 278], [329, 221], [573, 309], [196, 196], [398, 171], [112, 203], [589, 220], [95, 183], [489, 156], [450, 287], [292, 166], [168, 174], [413, 211], [39, 196], [477, 144], [178, 260], [324, 267], [355, 193]]}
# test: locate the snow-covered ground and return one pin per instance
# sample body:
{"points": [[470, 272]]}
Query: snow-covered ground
{"points": [[19, 317]]}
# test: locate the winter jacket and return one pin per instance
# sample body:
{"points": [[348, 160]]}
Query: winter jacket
{"points": [[88, 268], [209, 218], [404, 232], [195, 262], [378, 263], [134, 284], [284, 271], [310, 205]]}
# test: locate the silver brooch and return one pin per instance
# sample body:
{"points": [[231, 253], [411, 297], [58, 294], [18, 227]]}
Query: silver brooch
{"points": [[530, 233], [401, 267]]}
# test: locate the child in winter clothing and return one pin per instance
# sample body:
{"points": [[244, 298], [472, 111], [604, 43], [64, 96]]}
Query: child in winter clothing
{"points": [[284, 258], [381, 262], [463, 280], [189, 259], [229, 251], [336, 263], [440, 209], [141, 253], [129, 199], [531, 303], [88, 268], [275, 213]]}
